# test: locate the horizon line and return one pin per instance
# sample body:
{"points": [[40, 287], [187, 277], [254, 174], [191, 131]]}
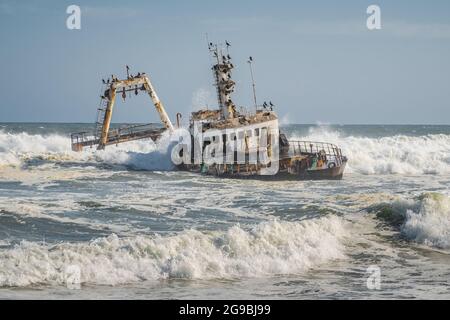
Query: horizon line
{"points": [[281, 125]]}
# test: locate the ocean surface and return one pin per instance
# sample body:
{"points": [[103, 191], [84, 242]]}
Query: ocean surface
{"points": [[127, 225]]}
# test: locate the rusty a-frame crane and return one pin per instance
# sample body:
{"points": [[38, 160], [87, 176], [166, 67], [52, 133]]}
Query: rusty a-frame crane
{"points": [[103, 136]]}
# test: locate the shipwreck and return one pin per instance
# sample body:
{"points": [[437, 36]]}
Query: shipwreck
{"points": [[229, 141]]}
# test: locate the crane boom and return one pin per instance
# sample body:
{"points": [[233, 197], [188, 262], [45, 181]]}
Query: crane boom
{"points": [[158, 104]]}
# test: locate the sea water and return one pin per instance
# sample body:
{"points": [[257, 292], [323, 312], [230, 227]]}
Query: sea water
{"points": [[132, 226]]}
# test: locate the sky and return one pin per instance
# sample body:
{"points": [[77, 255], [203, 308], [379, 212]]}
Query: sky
{"points": [[315, 60]]}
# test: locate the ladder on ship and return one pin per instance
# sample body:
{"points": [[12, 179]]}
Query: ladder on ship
{"points": [[101, 112]]}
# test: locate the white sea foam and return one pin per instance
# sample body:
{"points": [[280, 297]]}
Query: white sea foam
{"points": [[399, 154], [146, 155], [429, 154], [429, 222], [425, 220], [269, 248], [15, 149]]}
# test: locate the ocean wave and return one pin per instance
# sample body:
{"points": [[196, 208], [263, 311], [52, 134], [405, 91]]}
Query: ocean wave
{"points": [[20, 148], [425, 220], [399, 154], [16, 147], [408, 155], [269, 248]]}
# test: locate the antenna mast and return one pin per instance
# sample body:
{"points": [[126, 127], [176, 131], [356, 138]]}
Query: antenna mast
{"points": [[223, 82], [250, 60]]}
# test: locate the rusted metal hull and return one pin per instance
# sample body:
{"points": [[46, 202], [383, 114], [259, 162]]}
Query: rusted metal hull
{"points": [[335, 173]]}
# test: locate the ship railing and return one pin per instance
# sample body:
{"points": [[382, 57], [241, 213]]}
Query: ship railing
{"points": [[82, 137], [250, 111], [130, 130], [86, 138], [310, 148]]}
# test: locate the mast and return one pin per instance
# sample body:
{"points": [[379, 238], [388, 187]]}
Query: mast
{"points": [[223, 82], [250, 60]]}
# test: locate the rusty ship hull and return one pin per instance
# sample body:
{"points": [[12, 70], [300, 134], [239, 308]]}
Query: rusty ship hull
{"points": [[335, 173]]}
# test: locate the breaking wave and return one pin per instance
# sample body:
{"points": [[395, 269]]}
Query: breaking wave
{"points": [[425, 220], [14, 148], [269, 248], [428, 154], [20, 148], [399, 154]]}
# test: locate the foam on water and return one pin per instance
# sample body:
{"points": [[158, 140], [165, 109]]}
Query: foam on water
{"points": [[399, 154], [15, 149], [425, 220], [430, 223], [269, 248], [153, 157]]}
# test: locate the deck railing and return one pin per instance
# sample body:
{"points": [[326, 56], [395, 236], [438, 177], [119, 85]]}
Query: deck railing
{"points": [[116, 135], [331, 151]]}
